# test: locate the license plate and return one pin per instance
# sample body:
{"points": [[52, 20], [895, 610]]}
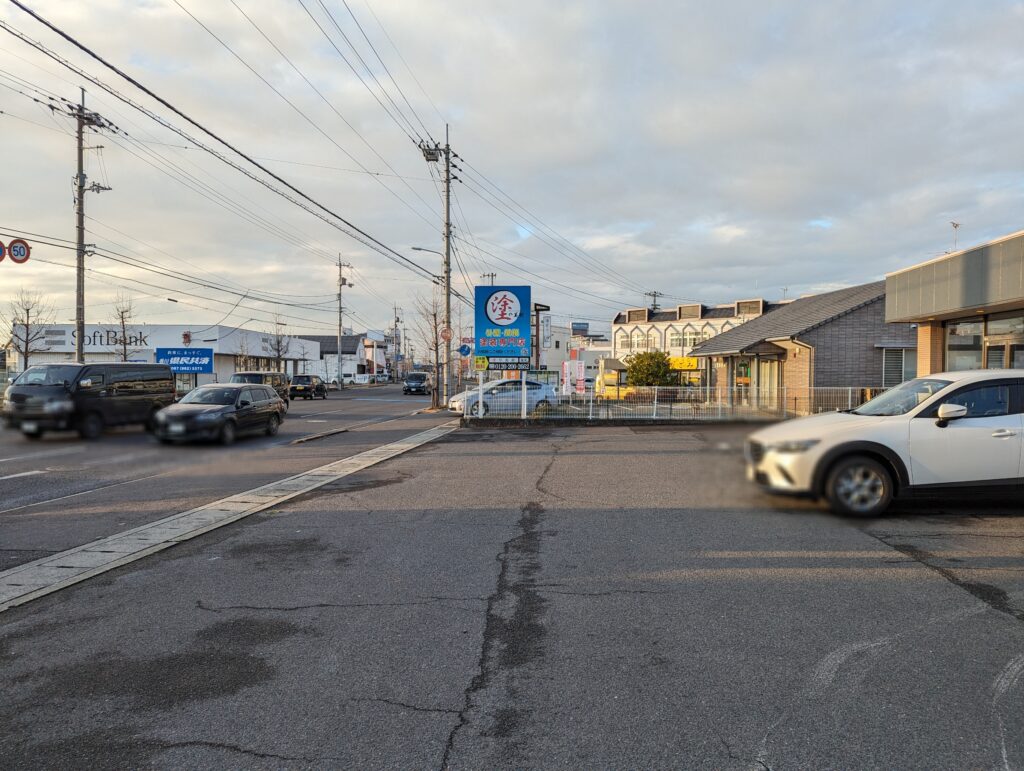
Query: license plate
{"points": [[29, 426], [300, 388], [176, 428]]}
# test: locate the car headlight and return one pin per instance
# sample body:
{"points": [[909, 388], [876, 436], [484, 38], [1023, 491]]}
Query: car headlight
{"points": [[161, 417], [58, 406], [793, 446]]}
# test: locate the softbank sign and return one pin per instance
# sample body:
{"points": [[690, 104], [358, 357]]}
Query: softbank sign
{"points": [[110, 338]]}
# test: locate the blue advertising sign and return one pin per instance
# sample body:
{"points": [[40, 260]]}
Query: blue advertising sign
{"points": [[186, 360], [502, 327]]}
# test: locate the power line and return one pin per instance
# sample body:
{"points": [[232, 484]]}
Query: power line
{"points": [[313, 206]]}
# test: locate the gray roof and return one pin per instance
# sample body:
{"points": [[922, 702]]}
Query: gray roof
{"points": [[792, 319], [727, 312], [329, 343]]}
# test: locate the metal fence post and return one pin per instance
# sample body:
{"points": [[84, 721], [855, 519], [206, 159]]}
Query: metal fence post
{"points": [[591, 404], [655, 413], [522, 408], [785, 408], [849, 398]]}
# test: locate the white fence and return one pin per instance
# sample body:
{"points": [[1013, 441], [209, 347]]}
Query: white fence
{"points": [[682, 404]]}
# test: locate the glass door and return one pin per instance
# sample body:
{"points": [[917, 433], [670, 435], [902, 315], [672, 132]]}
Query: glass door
{"points": [[1016, 356], [995, 355]]}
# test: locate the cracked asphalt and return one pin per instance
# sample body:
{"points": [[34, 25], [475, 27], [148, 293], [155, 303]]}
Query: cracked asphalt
{"points": [[556, 598]]}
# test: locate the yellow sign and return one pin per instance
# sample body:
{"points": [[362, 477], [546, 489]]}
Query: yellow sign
{"points": [[683, 362], [480, 363]]}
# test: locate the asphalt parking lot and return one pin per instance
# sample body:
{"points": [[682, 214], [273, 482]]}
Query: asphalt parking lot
{"points": [[600, 598]]}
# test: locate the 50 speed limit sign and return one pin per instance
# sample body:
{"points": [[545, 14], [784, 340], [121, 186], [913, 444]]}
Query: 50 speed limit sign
{"points": [[19, 250]]}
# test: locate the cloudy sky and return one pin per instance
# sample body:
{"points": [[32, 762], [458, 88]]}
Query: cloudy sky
{"points": [[607, 148]]}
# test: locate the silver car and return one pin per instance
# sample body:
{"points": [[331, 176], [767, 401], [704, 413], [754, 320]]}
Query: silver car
{"points": [[503, 398]]}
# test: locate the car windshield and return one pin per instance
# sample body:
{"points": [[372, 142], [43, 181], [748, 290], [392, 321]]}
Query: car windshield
{"points": [[246, 378], [903, 398], [211, 396], [48, 375], [416, 377]]}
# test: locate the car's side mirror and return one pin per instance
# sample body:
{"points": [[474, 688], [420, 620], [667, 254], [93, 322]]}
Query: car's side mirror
{"points": [[84, 383], [244, 403], [948, 412]]}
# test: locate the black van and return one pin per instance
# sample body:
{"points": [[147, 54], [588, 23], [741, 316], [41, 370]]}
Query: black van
{"points": [[86, 397], [276, 380]]}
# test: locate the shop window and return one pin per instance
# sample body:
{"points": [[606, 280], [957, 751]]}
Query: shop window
{"points": [[964, 345], [898, 365], [1005, 325]]}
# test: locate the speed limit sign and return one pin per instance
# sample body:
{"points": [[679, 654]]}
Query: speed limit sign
{"points": [[19, 250]]}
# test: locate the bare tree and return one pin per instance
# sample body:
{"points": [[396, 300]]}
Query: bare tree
{"points": [[428, 324], [303, 354], [278, 343], [125, 336], [24, 324], [243, 360]]}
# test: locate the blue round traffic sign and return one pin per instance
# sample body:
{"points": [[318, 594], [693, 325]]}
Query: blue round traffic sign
{"points": [[3, 251], [464, 350]]}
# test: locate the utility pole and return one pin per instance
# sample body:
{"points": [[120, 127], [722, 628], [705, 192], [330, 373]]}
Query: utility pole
{"points": [[432, 154], [396, 344], [342, 281], [654, 298], [490, 276], [83, 119]]}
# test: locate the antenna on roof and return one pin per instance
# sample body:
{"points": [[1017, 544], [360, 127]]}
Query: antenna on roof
{"points": [[956, 227]]}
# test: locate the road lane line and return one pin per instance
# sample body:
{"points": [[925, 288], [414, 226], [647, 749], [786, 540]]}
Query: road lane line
{"points": [[38, 578], [22, 474], [83, 492], [47, 453]]}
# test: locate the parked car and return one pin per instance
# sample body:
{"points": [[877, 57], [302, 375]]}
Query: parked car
{"points": [[86, 397], [307, 387], [417, 383], [221, 412], [276, 380], [503, 397], [945, 431]]}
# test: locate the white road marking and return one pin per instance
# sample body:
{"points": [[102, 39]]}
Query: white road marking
{"points": [[47, 453], [83, 492], [35, 579], [1005, 681], [316, 421], [22, 474]]}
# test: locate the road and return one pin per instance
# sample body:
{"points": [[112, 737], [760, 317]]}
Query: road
{"points": [[586, 598], [60, 491]]}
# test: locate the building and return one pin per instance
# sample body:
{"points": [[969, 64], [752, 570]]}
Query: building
{"points": [[968, 307], [830, 340], [223, 349], [678, 330], [362, 355]]}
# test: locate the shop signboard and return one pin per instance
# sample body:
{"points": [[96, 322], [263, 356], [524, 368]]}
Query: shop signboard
{"points": [[187, 360], [502, 326]]}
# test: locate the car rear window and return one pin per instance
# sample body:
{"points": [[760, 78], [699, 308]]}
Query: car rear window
{"points": [[236, 378]]}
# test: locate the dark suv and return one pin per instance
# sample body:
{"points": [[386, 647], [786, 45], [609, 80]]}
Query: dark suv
{"points": [[417, 383], [307, 387], [86, 397], [276, 380]]}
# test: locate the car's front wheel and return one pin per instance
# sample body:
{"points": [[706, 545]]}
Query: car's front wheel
{"points": [[859, 487]]}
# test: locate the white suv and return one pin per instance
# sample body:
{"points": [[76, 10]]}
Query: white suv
{"points": [[953, 429]]}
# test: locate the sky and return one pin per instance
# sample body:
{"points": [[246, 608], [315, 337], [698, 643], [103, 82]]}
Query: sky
{"points": [[710, 152]]}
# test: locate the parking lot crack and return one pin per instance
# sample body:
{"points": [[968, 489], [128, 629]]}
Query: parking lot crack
{"points": [[406, 705], [513, 632], [993, 596], [320, 605], [237, 749]]}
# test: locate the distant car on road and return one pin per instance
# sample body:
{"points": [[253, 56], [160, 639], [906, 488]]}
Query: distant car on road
{"points": [[307, 387], [86, 397], [417, 383], [276, 380], [503, 397], [952, 430], [221, 412]]}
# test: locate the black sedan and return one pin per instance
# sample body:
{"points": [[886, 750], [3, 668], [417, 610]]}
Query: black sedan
{"points": [[221, 412]]}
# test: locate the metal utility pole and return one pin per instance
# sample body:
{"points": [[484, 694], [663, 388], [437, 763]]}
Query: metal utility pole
{"points": [[396, 344], [341, 328], [432, 154], [83, 119], [490, 276]]}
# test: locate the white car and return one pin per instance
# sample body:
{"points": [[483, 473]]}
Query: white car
{"points": [[504, 398], [949, 430]]}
